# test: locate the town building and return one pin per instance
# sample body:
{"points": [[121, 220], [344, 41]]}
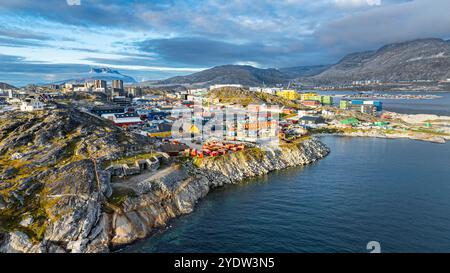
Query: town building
{"points": [[122, 101], [301, 113], [368, 107], [311, 120], [100, 110], [31, 104], [117, 84], [100, 86], [218, 86], [289, 94], [117, 88], [326, 100], [309, 96], [125, 120], [74, 87], [133, 91], [311, 103], [198, 91], [350, 122]]}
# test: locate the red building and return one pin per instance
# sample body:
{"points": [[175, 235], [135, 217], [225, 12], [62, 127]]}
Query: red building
{"points": [[312, 103]]}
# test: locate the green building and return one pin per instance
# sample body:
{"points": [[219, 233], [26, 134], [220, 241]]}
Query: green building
{"points": [[326, 100], [381, 123], [344, 104], [350, 121]]}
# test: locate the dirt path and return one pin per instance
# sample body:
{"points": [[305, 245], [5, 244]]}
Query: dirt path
{"points": [[131, 182]]}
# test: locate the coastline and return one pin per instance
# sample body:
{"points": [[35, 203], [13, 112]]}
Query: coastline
{"points": [[425, 138], [152, 210], [147, 206]]}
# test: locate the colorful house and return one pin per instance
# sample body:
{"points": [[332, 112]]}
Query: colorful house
{"points": [[350, 121], [289, 94], [311, 103], [344, 104], [326, 100], [125, 120], [310, 96]]}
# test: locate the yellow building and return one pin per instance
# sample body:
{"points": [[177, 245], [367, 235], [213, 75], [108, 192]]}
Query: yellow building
{"points": [[310, 96], [288, 94]]}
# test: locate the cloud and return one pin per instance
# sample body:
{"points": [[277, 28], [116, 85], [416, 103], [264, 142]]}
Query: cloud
{"points": [[357, 3], [157, 38], [197, 51], [18, 71], [18, 33], [73, 2], [387, 24]]}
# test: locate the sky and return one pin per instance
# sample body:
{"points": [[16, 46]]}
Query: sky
{"points": [[53, 40]]}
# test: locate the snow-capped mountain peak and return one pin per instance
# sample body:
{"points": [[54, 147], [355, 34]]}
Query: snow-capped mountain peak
{"points": [[103, 70], [101, 73]]}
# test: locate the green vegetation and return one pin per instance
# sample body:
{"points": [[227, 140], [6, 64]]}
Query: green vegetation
{"points": [[431, 132], [271, 99], [390, 131], [129, 160], [11, 217], [244, 97], [325, 130], [120, 195], [350, 121], [243, 155]]}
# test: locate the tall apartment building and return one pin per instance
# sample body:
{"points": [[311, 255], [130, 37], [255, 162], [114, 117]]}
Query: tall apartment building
{"points": [[117, 84], [133, 91], [117, 88], [100, 84]]}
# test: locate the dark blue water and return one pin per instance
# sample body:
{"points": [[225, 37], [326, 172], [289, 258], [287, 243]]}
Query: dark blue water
{"points": [[396, 192]]}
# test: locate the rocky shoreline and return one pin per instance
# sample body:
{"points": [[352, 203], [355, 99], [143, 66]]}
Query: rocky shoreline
{"points": [[92, 225], [419, 137]]}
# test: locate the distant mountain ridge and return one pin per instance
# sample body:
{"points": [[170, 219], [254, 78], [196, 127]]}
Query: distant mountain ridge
{"points": [[230, 74], [7, 86], [423, 59], [304, 71], [102, 73]]}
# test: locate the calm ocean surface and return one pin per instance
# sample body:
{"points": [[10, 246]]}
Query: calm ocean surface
{"points": [[396, 192]]}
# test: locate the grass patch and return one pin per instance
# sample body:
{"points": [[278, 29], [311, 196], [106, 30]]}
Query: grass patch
{"points": [[119, 196], [325, 130], [128, 160], [11, 217], [430, 132]]}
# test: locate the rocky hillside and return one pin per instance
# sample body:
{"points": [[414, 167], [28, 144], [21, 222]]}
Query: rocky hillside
{"points": [[56, 198], [304, 71], [153, 202], [240, 96], [50, 186], [426, 59], [230, 74]]}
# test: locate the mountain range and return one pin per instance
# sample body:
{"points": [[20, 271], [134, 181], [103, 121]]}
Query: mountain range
{"points": [[226, 74], [304, 71], [6, 86], [424, 59]]}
